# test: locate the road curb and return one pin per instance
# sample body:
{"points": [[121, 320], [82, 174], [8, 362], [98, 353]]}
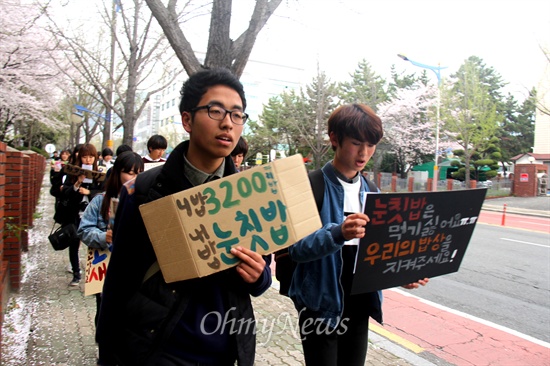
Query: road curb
{"points": [[516, 210]]}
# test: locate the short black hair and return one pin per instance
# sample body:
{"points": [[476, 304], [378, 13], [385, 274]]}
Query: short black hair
{"points": [[106, 152], [198, 84], [122, 148], [240, 148], [156, 142]]}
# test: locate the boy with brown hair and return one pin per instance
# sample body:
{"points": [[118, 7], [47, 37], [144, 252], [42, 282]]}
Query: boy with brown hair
{"points": [[334, 324]]}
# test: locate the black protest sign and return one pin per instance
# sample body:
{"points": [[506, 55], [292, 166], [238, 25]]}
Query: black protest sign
{"points": [[414, 235]]}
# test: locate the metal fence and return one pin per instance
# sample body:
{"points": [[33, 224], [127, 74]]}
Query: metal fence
{"points": [[496, 187]]}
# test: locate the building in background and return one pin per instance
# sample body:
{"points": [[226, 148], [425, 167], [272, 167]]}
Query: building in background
{"points": [[261, 80]]}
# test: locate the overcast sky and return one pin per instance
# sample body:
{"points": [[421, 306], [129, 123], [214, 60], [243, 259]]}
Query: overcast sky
{"points": [[337, 34]]}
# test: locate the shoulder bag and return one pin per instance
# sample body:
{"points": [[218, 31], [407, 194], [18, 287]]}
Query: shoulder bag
{"points": [[63, 236]]}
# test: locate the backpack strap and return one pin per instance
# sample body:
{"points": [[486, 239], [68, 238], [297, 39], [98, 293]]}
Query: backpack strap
{"points": [[372, 186], [317, 182], [151, 271]]}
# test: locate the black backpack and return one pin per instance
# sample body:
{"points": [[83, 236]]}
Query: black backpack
{"points": [[285, 266]]}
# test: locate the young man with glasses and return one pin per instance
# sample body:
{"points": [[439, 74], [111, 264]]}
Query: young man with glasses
{"points": [[145, 321]]}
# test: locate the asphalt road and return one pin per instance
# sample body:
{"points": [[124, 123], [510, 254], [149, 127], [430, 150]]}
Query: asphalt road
{"points": [[504, 278]]}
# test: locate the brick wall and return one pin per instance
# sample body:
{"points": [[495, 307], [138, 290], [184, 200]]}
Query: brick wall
{"points": [[21, 175], [15, 214], [525, 179], [4, 288]]}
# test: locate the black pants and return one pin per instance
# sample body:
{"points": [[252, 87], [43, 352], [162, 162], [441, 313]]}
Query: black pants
{"points": [[73, 257], [345, 345]]}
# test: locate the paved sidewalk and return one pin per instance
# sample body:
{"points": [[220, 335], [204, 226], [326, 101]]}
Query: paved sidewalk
{"points": [[49, 323], [533, 206]]}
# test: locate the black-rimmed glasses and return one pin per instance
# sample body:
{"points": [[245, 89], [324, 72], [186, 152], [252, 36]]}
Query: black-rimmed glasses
{"points": [[218, 113]]}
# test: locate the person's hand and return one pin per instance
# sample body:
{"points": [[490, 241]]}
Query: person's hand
{"points": [[354, 226], [422, 282], [84, 191], [79, 181], [252, 264], [109, 236]]}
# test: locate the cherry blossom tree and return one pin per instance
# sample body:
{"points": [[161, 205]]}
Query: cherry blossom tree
{"points": [[30, 79], [409, 124]]}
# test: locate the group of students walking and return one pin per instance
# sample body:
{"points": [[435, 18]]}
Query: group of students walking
{"points": [[87, 202], [142, 320]]}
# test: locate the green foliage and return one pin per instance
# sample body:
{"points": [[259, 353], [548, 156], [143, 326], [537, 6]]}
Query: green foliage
{"points": [[365, 87], [470, 112], [403, 81], [517, 132], [490, 129], [296, 122], [12, 229], [390, 164], [482, 162]]}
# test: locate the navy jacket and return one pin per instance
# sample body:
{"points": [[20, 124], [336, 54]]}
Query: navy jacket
{"points": [[316, 281], [141, 319]]}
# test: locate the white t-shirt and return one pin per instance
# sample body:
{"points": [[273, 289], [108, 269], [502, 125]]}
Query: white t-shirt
{"points": [[352, 202]]}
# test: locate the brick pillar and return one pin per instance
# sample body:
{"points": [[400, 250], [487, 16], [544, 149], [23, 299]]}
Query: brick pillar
{"points": [[26, 201], [394, 183], [33, 194], [29, 180], [410, 184], [450, 184], [41, 170], [429, 185], [13, 215], [4, 285]]}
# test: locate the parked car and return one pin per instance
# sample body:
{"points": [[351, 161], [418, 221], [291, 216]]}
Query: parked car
{"points": [[458, 184], [485, 184]]}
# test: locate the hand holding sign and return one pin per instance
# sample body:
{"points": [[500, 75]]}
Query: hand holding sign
{"points": [[252, 264], [415, 236], [354, 226], [414, 285]]}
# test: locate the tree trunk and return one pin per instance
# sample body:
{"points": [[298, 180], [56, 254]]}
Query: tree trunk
{"points": [[221, 51]]}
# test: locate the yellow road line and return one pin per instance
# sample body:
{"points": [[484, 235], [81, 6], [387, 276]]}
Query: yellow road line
{"points": [[395, 338]]}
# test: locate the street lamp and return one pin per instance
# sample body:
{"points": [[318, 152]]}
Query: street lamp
{"points": [[437, 70]]}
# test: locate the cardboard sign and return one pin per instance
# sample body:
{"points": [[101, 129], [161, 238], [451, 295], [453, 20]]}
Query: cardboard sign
{"points": [[414, 235], [97, 261], [265, 209], [90, 174], [148, 166], [57, 165]]}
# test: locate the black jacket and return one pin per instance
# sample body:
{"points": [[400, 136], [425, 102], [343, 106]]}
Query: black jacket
{"points": [[137, 317], [68, 202]]}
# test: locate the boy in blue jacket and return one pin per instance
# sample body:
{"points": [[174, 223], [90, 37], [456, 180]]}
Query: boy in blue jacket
{"points": [[333, 323]]}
